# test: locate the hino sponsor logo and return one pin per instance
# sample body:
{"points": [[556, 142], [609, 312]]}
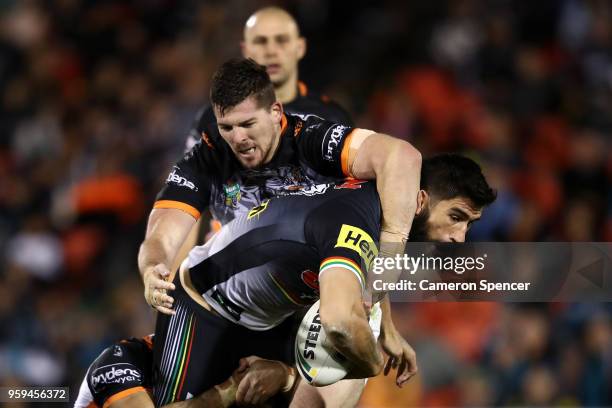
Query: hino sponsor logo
{"points": [[180, 181], [119, 373], [334, 140]]}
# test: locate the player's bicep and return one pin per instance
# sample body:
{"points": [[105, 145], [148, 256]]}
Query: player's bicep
{"points": [[170, 224], [356, 143], [369, 152]]}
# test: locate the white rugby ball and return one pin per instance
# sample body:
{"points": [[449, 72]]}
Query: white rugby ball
{"points": [[317, 361]]}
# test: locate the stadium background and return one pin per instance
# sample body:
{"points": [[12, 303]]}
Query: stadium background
{"points": [[96, 99]]}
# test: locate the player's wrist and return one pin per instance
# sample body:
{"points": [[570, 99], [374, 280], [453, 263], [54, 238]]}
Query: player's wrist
{"points": [[227, 391], [148, 271], [290, 377]]}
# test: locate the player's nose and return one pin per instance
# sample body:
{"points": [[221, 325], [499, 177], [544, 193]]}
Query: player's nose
{"points": [[239, 135], [458, 235], [271, 49]]}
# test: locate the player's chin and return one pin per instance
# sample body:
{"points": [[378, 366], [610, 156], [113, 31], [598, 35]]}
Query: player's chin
{"points": [[278, 79], [251, 163]]}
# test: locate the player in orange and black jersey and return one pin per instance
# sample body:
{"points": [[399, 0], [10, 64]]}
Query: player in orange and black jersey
{"points": [[122, 377], [120, 371], [272, 39], [310, 152]]}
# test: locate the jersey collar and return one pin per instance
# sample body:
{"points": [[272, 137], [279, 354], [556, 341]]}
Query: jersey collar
{"points": [[302, 89]]}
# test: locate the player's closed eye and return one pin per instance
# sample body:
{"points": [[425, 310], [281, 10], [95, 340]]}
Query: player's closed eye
{"points": [[281, 40]]}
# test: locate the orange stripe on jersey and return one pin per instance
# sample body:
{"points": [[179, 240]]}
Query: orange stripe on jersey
{"points": [[344, 155], [283, 124], [177, 205], [207, 140], [148, 339], [215, 226], [122, 394], [302, 88]]}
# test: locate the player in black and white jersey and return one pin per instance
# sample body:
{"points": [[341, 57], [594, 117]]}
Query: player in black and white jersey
{"points": [[234, 294]]}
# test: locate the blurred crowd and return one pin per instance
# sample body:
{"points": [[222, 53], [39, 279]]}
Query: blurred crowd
{"points": [[96, 98]]}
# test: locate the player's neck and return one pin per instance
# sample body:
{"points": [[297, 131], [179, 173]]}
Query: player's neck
{"points": [[275, 146], [288, 91]]}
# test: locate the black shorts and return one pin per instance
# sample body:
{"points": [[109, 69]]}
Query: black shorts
{"points": [[195, 349]]}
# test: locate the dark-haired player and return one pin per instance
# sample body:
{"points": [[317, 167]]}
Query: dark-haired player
{"points": [[272, 38], [235, 293]]}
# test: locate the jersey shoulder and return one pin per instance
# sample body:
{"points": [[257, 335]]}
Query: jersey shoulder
{"points": [[123, 366], [309, 103]]}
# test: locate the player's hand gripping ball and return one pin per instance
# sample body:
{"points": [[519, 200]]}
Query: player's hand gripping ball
{"points": [[317, 361]]}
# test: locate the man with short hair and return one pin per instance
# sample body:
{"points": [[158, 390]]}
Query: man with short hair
{"points": [[454, 193], [234, 294], [272, 38]]}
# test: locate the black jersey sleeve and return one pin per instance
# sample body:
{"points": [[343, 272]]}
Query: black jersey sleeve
{"points": [[324, 146], [189, 183], [121, 369], [201, 127], [336, 113], [345, 231]]}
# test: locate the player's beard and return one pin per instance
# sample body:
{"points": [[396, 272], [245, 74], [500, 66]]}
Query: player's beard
{"points": [[418, 232]]}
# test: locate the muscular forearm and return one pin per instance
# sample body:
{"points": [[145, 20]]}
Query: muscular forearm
{"points": [[353, 338], [220, 396], [166, 231], [153, 252]]}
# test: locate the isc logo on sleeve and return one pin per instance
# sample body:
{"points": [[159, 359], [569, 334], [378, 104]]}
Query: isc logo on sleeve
{"points": [[359, 241]]}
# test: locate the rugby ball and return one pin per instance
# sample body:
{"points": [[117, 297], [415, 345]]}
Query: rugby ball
{"points": [[317, 361]]}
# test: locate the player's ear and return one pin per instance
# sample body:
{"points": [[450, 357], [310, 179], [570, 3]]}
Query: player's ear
{"points": [[301, 47], [277, 111], [422, 201]]}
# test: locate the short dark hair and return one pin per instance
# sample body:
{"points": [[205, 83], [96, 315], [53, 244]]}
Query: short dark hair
{"points": [[236, 80], [450, 175]]}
